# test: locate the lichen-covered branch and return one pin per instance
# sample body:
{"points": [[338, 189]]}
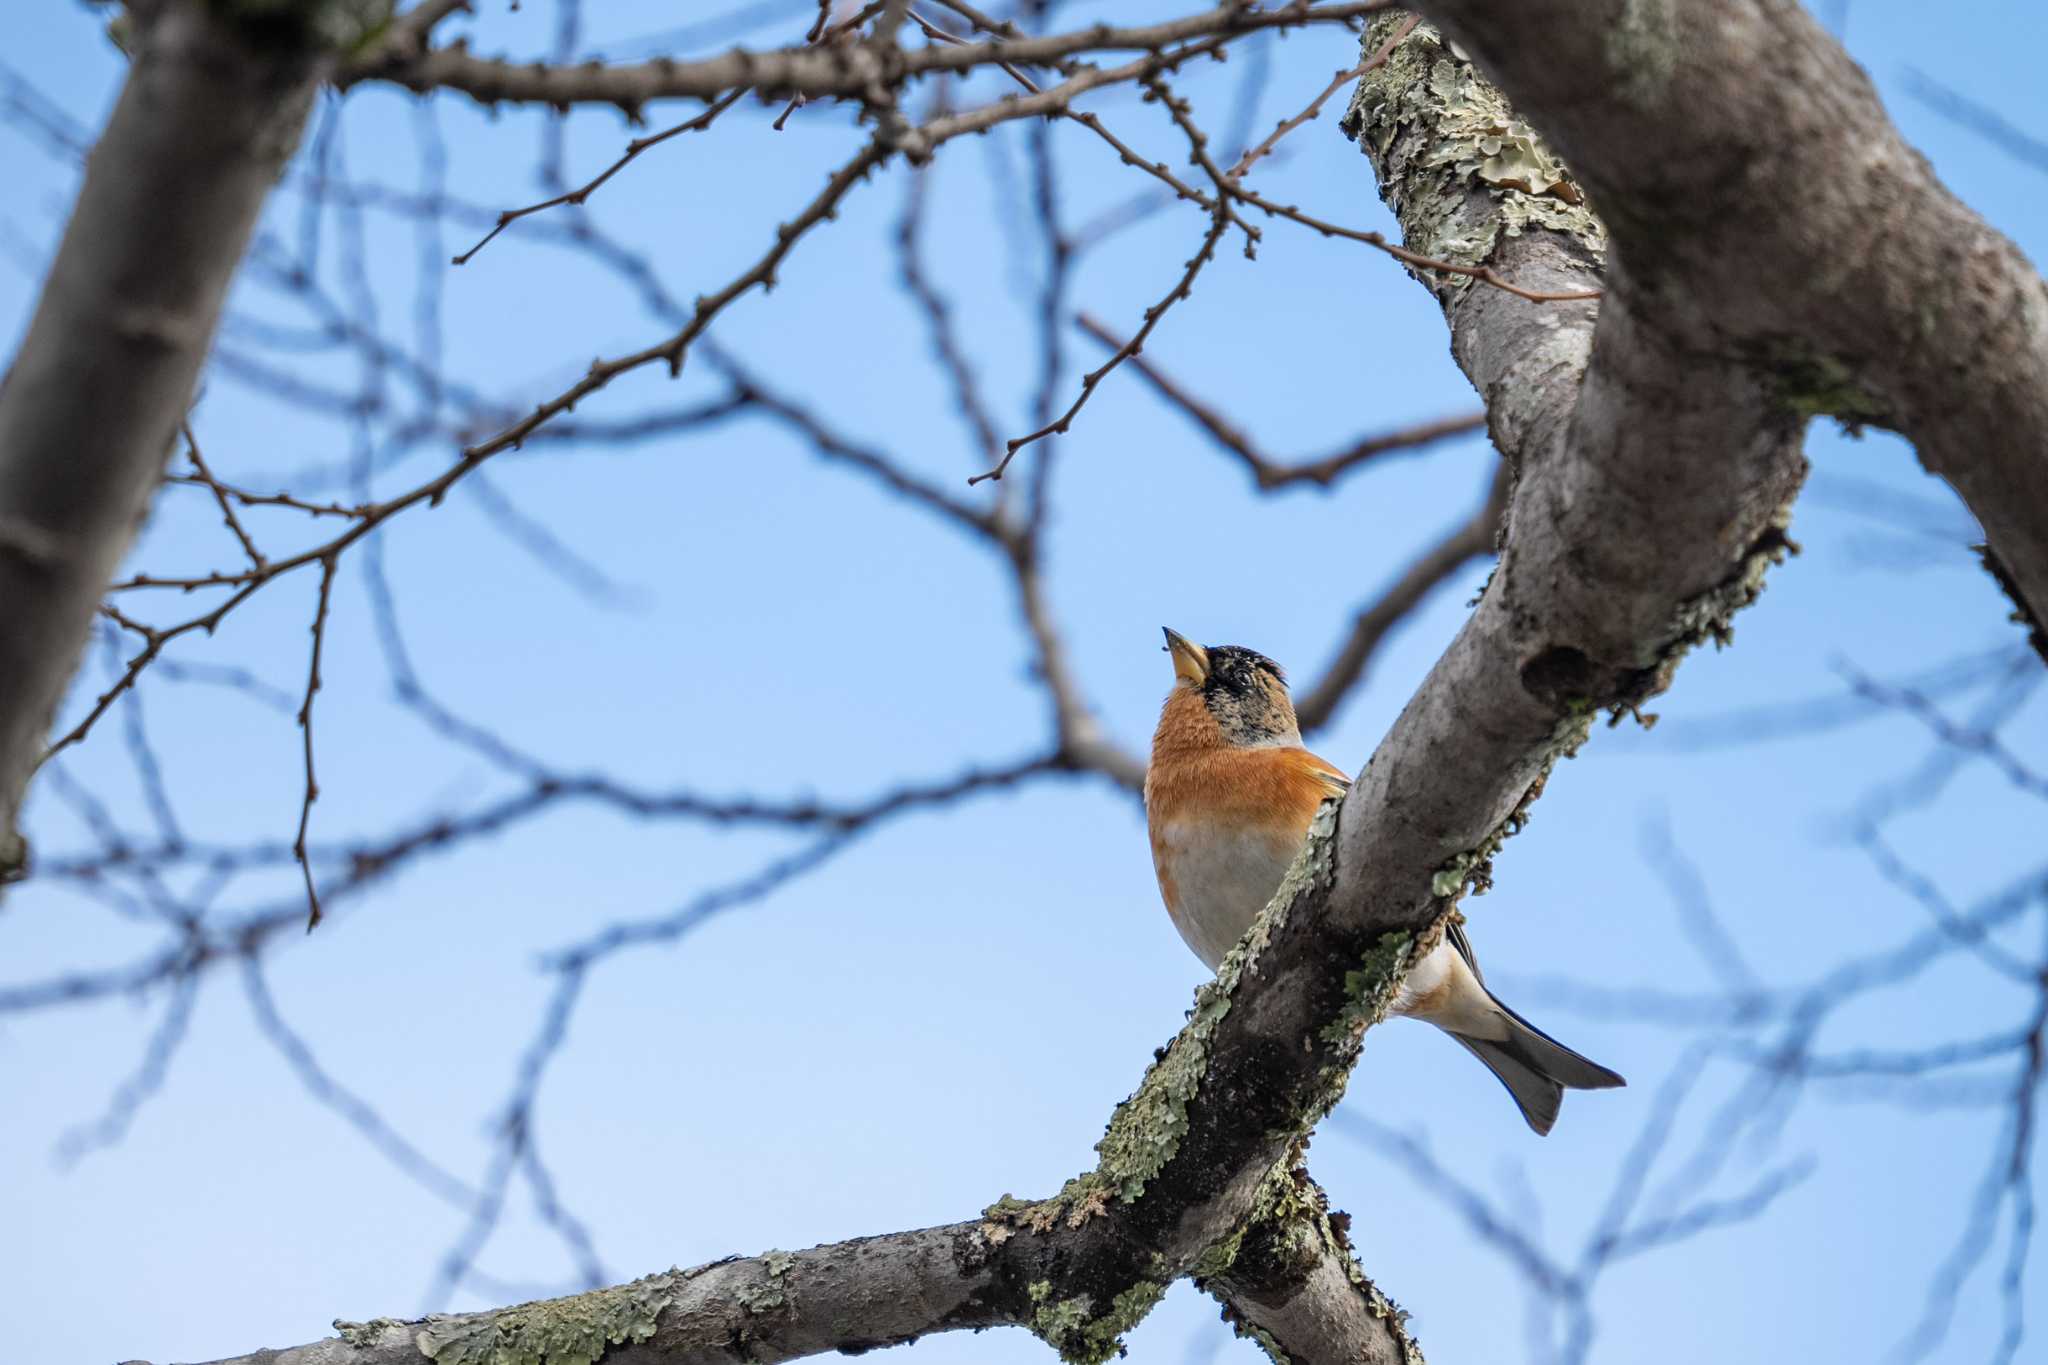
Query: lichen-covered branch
{"points": [[1289, 1278], [1290, 1282], [1772, 226], [202, 131], [849, 1296], [1651, 488]]}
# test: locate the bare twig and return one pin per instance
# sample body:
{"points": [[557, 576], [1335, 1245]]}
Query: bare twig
{"points": [[1266, 471], [220, 496], [1315, 107], [582, 193], [305, 718]]}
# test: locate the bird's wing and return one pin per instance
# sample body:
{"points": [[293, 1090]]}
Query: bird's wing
{"points": [[1331, 775], [1454, 932]]}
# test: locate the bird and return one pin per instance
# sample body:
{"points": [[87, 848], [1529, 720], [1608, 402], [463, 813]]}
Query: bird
{"points": [[1229, 796]]}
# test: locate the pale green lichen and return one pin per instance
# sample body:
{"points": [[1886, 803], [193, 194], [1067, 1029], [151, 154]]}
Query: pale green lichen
{"points": [[1081, 1336], [1437, 133], [771, 1294], [1215, 1262], [364, 1335], [1008, 1209], [1369, 988], [1084, 1197], [577, 1330], [1294, 1232], [1450, 877], [1146, 1129], [1266, 1342], [1711, 615]]}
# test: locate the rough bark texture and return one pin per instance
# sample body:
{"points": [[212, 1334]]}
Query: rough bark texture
{"points": [[1769, 218], [1288, 1280], [92, 402], [849, 1296], [1651, 491], [1292, 1285]]}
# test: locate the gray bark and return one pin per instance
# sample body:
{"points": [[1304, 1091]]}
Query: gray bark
{"points": [[1293, 1284], [874, 1291], [1769, 219], [91, 404]]}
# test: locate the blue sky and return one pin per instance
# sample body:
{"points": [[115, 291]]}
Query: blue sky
{"points": [[948, 1010]]}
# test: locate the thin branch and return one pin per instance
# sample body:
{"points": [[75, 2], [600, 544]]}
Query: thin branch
{"points": [[220, 496], [1220, 222], [305, 719], [583, 192], [1267, 472], [1315, 107], [353, 1109]]}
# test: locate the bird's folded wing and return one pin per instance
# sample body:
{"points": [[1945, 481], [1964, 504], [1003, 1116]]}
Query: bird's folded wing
{"points": [[1332, 776]]}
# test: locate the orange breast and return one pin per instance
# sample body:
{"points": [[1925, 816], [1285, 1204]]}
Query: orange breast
{"points": [[1224, 825]]}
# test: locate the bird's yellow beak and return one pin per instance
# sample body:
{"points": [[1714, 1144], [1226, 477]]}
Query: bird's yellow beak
{"points": [[1190, 660]]}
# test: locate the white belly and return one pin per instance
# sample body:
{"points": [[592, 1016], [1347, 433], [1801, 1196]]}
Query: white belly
{"points": [[1442, 990], [1221, 880]]}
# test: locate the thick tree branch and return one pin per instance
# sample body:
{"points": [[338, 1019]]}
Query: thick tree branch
{"points": [[873, 1291], [1766, 212], [93, 400], [1002, 1270], [1650, 495]]}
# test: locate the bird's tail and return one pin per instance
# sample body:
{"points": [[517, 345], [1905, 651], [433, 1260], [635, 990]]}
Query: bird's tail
{"points": [[1536, 1068]]}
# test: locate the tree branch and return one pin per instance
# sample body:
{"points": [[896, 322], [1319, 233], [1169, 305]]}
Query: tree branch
{"points": [[1295, 1288], [1756, 190], [872, 1291], [1267, 472], [1002, 1270], [172, 190], [813, 71]]}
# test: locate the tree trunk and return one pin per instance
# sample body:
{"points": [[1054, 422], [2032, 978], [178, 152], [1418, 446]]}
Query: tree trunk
{"points": [[93, 400]]}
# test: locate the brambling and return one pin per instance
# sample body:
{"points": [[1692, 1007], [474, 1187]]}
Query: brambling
{"points": [[1229, 796]]}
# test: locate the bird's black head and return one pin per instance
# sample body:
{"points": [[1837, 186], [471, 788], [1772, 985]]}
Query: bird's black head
{"points": [[1243, 689], [1241, 672]]}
